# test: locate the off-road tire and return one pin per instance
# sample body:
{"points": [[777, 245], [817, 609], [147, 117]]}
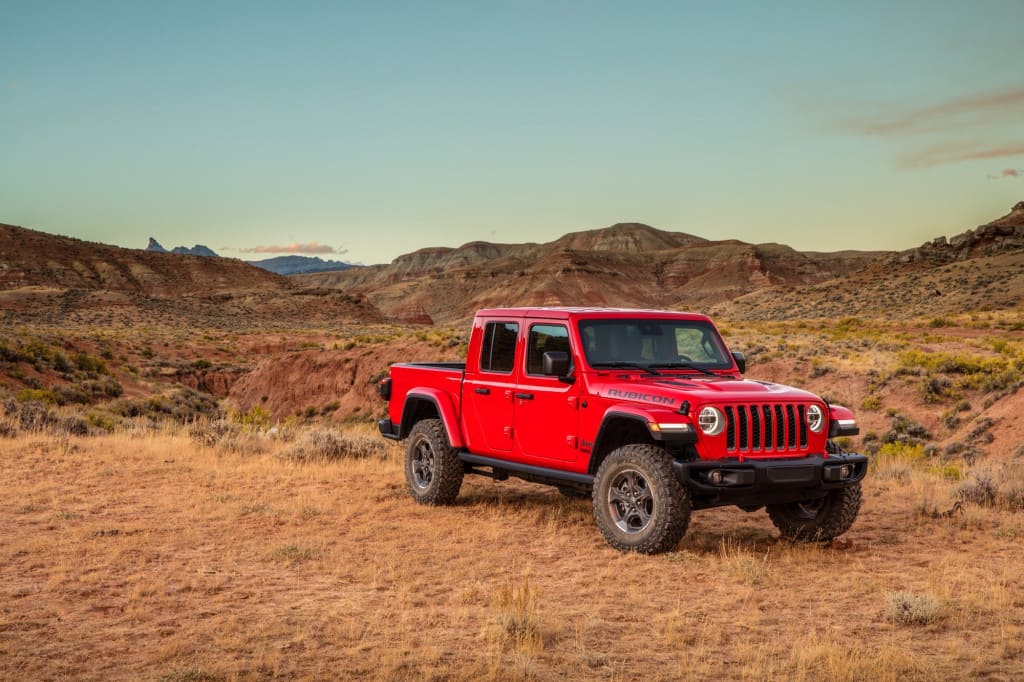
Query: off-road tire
{"points": [[818, 520], [639, 505], [433, 471]]}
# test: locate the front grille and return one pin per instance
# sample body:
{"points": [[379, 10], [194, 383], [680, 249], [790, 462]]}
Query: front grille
{"points": [[765, 428]]}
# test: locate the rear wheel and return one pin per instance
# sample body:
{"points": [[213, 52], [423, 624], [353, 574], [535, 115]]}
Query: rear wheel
{"points": [[818, 520], [433, 471], [638, 503]]}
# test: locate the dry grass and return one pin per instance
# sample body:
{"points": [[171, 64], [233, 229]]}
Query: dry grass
{"points": [[144, 555]]}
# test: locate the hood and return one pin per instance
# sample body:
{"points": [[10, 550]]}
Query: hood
{"points": [[670, 390]]}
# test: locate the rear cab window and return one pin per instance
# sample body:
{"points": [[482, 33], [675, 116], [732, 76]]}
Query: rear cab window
{"points": [[498, 349]]}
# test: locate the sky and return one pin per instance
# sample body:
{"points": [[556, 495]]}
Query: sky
{"points": [[360, 131]]}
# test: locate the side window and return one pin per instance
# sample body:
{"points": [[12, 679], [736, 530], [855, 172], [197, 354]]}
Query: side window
{"points": [[544, 338], [498, 351]]}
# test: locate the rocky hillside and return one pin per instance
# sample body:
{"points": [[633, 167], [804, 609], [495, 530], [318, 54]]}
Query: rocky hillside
{"points": [[627, 264], [976, 271], [59, 280], [28, 258]]}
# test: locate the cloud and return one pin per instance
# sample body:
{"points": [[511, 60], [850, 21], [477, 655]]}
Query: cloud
{"points": [[954, 152], [1007, 173], [956, 113], [310, 248]]}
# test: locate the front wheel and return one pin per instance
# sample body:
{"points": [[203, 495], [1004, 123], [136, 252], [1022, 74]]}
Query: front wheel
{"points": [[433, 471], [638, 503], [818, 520]]}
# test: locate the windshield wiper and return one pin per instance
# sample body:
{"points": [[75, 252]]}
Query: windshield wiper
{"points": [[685, 365], [634, 365]]}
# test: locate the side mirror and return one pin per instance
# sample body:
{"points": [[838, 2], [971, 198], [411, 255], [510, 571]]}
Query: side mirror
{"points": [[741, 361], [556, 363]]}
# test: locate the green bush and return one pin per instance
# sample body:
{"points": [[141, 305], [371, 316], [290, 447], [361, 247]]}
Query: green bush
{"points": [[39, 395], [88, 363]]}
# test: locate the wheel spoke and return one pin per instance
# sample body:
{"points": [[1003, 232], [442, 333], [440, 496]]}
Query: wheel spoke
{"points": [[617, 495], [630, 501], [423, 465]]}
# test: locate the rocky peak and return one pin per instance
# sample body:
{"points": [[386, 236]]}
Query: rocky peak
{"points": [[154, 245], [999, 236]]}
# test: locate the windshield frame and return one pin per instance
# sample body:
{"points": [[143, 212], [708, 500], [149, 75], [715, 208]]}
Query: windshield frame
{"points": [[647, 352]]}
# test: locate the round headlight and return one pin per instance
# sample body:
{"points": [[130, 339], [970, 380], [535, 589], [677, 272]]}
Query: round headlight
{"points": [[711, 421], [815, 418]]}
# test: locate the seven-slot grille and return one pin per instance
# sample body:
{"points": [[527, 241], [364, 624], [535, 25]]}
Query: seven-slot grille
{"points": [[766, 428]]}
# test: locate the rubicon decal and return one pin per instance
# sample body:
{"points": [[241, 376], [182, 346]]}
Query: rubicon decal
{"points": [[645, 397]]}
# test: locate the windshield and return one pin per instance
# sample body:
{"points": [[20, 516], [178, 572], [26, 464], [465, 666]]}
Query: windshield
{"points": [[653, 343]]}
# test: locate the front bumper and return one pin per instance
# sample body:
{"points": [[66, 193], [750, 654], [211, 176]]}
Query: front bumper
{"points": [[757, 482]]}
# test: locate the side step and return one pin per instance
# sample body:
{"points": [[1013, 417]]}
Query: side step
{"points": [[502, 469]]}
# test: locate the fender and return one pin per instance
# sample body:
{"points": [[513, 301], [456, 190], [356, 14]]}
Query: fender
{"points": [[651, 419], [841, 422], [442, 401]]}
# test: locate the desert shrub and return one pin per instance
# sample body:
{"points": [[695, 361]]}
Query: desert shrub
{"points": [[902, 429], [934, 389], [209, 432], [104, 422], [90, 364], [70, 394], [104, 387], [329, 444], [908, 608], [182, 405], [257, 417], [202, 363], [951, 419], [38, 395], [227, 435], [896, 461], [518, 613], [60, 363], [293, 553], [871, 403], [35, 416], [995, 485]]}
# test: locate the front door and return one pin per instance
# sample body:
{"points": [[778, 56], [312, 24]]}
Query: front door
{"points": [[546, 416]]}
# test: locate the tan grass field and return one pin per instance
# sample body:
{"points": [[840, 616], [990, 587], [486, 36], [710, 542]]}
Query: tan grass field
{"points": [[142, 555]]}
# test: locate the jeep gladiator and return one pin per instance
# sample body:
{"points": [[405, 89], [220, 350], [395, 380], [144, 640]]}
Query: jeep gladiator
{"points": [[646, 412]]}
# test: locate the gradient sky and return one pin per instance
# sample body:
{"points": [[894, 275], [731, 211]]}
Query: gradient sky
{"points": [[376, 128]]}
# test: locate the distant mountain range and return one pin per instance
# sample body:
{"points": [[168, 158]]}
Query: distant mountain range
{"points": [[624, 265], [197, 250], [300, 265], [637, 266], [281, 265]]}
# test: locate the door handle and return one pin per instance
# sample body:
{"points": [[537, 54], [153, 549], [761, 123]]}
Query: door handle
{"points": [[482, 391], [524, 396]]}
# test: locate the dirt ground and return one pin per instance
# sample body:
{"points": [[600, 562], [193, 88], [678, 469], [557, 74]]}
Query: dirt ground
{"points": [[142, 555]]}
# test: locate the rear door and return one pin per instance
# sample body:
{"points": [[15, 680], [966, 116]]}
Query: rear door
{"points": [[546, 415], [489, 387]]}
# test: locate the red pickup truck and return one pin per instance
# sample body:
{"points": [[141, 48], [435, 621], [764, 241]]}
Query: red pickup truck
{"points": [[646, 412]]}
